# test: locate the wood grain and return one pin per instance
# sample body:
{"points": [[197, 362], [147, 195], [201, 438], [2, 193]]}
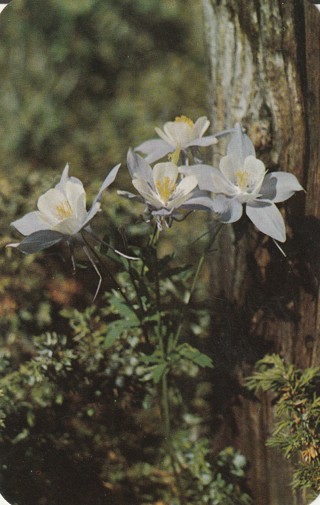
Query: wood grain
{"points": [[264, 71]]}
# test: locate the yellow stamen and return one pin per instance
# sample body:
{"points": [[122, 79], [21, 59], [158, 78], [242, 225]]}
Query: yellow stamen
{"points": [[165, 188], [64, 210], [184, 119], [174, 157], [242, 179]]}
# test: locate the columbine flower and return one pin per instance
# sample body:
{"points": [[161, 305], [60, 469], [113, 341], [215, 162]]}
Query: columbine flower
{"points": [[160, 188], [242, 179], [177, 135], [61, 214]]}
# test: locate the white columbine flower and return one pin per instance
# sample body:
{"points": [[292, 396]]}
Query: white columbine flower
{"points": [[160, 188], [177, 135], [243, 180], [61, 214]]}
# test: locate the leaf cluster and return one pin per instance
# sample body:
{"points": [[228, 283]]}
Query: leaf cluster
{"points": [[296, 396]]}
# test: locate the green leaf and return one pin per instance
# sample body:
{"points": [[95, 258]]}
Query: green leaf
{"points": [[116, 329], [195, 356], [157, 371], [124, 310], [40, 240], [153, 358]]}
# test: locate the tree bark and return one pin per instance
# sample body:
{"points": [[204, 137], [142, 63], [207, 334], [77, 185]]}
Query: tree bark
{"points": [[264, 61]]}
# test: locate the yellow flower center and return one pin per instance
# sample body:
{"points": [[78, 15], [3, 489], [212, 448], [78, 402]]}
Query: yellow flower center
{"points": [[64, 210], [165, 188], [242, 179], [184, 119]]}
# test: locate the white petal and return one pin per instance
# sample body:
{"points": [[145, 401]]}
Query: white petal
{"points": [[139, 168], [279, 186], [256, 171], [64, 177], [107, 182], [240, 146], [182, 192], [69, 226], [254, 167], [221, 184], [165, 170], [30, 223], [268, 219], [167, 139], [179, 133], [228, 168], [76, 197], [200, 126], [48, 203], [147, 193], [186, 185]]}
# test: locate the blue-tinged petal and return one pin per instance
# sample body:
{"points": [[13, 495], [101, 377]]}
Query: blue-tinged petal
{"points": [[154, 149], [40, 240], [240, 146], [209, 179], [203, 141], [30, 223], [139, 168], [198, 203], [162, 212], [228, 210], [267, 218], [106, 183], [131, 196], [279, 186]]}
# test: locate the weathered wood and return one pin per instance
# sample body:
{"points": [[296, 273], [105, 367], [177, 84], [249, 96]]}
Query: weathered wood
{"points": [[264, 61]]}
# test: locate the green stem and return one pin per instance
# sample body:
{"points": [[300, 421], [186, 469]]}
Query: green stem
{"points": [[164, 380], [194, 282], [168, 436]]}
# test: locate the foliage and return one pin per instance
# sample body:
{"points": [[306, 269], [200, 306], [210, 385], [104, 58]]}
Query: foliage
{"points": [[80, 85], [297, 408], [82, 418]]}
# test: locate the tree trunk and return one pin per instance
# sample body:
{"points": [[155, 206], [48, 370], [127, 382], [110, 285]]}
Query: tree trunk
{"points": [[264, 58]]}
